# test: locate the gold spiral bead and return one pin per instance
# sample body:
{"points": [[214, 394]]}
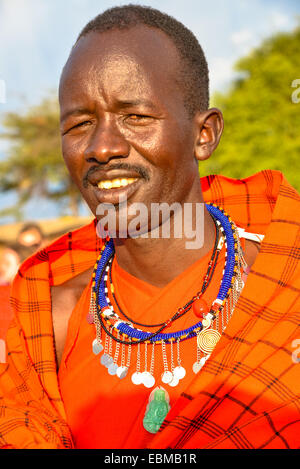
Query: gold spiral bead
{"points": [[207, 340]]}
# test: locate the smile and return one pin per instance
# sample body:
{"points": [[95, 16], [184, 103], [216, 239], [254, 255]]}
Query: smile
{"points": [[116, 183], [112, 190]]}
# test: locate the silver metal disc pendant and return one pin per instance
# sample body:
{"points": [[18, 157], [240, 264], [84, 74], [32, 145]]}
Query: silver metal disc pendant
{"points": [[106, 360], [97, 347], [112, 369], [148, 379], [179, 372], [167, 377], [174, 382], [122, 372], [136, 378], [196, 367]]}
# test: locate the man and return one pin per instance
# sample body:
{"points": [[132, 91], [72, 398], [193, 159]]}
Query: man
{"points": [[135, 124], [9, 263], [30, 238]]}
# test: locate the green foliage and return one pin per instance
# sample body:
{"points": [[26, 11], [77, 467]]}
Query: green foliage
{"points": [[34, 166], [262, 124]]}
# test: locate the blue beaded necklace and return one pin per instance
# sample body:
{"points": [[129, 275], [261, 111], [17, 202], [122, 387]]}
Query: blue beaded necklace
{"points": [[123, 333]]}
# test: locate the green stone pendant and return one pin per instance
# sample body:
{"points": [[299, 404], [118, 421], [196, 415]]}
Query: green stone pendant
{"points": [[156, 410]]}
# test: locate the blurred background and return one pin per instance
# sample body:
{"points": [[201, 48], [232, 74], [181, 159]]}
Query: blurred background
{"points": [[253, 53]]}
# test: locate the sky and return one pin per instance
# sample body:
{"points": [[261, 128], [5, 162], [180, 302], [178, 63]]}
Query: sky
{"points": [[36, 37]]}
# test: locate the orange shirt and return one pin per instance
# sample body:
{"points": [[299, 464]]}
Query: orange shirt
{"points": [[92, 398]]}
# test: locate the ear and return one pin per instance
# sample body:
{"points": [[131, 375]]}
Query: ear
{"points": [[209, 127]]}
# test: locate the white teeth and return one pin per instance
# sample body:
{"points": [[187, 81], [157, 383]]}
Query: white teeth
{"points": [[116, 183]]}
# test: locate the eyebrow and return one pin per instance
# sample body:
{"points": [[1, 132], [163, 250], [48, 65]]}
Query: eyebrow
{"points": [[136, 102], [74, 112]]}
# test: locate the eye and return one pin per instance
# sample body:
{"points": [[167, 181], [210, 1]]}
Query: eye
{"points": [[138, 118], [80, 124], [76, 126]]}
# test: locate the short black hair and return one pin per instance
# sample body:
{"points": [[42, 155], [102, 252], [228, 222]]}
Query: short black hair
{"points": [[194, 72]]}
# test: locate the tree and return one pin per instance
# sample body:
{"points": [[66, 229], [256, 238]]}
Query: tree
{"points": [[35, 167], [262, 123]]}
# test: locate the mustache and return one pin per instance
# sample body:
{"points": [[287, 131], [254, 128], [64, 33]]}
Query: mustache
{"points": [[125, 166]]}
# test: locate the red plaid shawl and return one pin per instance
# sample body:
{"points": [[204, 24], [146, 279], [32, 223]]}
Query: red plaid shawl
{"points": [[246, 396]]}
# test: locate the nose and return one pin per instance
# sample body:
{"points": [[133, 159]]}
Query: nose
{"points": [[106, 142]]}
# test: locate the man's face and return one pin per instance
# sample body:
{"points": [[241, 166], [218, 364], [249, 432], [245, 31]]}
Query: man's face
{"points": [[9, 263], [30, 237], [125, 130]]}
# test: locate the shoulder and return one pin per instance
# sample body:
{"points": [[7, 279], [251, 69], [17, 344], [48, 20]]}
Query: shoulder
{"points": [[254, 201]]}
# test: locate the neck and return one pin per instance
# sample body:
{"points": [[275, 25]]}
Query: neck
{"points": [[158, 261]]}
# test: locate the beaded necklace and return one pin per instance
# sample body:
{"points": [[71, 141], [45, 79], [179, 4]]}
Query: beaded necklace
{"points": [[124, 335], [181, 311]]}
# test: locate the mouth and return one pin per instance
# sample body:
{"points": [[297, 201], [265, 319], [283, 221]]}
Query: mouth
{"points": [[116, 188], [116, 183]]}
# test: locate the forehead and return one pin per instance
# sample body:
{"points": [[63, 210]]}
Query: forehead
{"points": [[131, 60]]}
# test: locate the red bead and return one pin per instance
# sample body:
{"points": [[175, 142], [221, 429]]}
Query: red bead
{"points": [[200, 307]]}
